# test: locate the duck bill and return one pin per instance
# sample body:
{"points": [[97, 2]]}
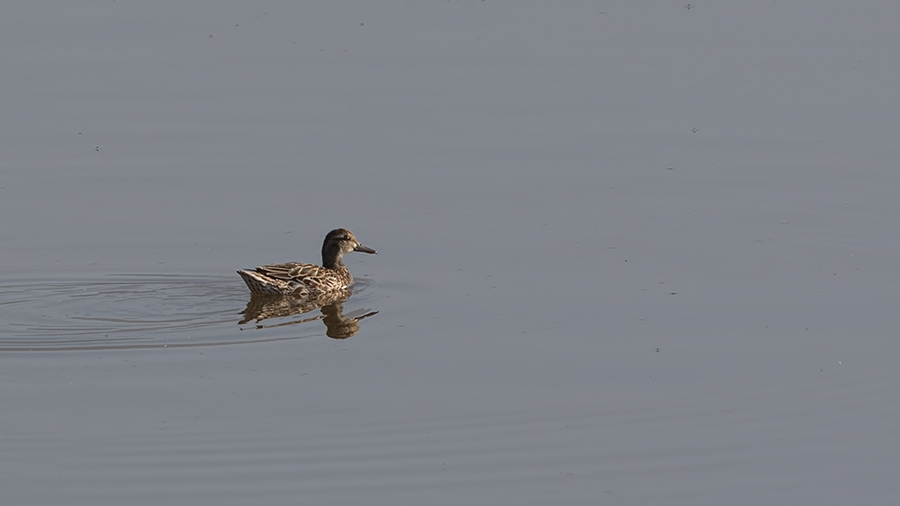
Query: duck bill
{"points": [[364, 249]]}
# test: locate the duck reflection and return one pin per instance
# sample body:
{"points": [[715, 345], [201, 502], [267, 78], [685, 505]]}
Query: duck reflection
{"points": [[338, 325]]}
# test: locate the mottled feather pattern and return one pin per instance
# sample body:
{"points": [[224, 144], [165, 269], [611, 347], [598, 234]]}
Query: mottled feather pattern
{"points": [[308, 280], [316, 278]]}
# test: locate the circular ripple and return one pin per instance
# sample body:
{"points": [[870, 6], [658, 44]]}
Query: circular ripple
{"points": [[129, 312]]}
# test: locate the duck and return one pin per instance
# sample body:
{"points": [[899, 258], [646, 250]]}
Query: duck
{"points": [[308, 280]]}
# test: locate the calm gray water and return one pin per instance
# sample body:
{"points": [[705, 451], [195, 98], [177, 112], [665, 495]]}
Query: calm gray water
{"points": [[629, 253]]}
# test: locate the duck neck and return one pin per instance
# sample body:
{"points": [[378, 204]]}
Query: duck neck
{"points": [[334, 264], [332, 260]]}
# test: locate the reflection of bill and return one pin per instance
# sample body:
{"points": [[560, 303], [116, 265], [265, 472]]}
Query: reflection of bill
{"points": [[338, 326]]}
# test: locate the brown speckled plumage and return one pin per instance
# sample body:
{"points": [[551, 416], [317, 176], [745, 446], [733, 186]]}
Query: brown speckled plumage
{"points": [[308, 280]]}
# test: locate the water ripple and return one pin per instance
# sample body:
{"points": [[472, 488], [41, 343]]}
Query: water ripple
{"points": [[133, 311]]}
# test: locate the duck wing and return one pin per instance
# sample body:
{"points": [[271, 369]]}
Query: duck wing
{"points": [[291, 271], [316, 278]]}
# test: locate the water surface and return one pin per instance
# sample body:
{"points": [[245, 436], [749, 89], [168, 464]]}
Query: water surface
{"points": [[628, 254]]}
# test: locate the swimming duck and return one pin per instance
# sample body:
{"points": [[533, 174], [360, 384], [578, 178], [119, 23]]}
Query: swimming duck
{"points": [[308, 280]]}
